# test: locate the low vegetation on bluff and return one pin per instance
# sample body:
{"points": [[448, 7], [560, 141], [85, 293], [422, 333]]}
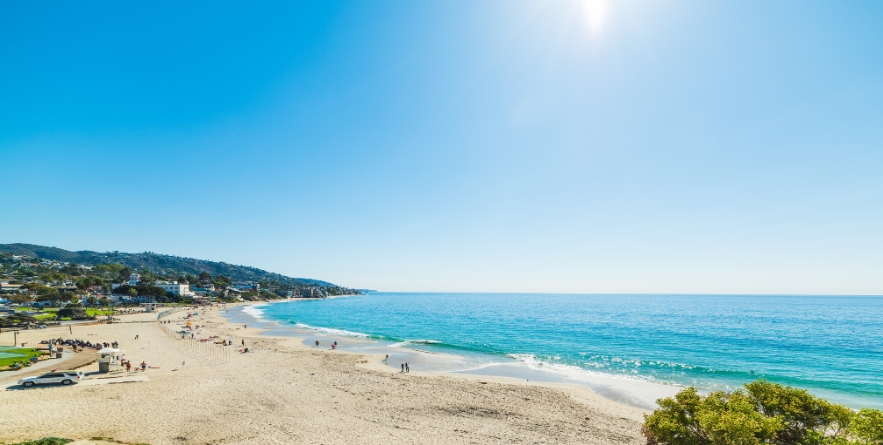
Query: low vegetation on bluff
{"points": [[764, 413]]}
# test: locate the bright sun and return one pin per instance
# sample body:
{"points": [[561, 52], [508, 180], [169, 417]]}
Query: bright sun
{"points": [[595, 12]]}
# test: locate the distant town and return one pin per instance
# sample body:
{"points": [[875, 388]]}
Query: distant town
{"points": [[32, 282]]}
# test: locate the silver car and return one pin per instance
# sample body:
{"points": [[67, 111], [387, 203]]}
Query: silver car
{"points": [[63, 377]]}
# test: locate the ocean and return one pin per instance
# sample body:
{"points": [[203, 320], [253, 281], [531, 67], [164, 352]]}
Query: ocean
{"points": [[629, 348]]}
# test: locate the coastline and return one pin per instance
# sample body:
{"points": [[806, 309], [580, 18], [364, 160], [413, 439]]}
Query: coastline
{"points": [[375, 362], [283, 391], [632, 393]]}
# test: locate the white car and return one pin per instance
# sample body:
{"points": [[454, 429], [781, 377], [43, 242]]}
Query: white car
{"points": [[63, 377]]}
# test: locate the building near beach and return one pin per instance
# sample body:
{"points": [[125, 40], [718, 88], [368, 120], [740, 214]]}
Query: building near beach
{"points": [[175, 288], [245, 285]]}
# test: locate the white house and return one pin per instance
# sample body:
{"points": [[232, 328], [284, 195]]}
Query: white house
{"points": [[245, 285], [133, 279], [175, 288]]}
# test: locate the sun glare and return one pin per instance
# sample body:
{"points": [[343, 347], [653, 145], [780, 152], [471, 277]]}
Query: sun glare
{"points": [[595, 13]]}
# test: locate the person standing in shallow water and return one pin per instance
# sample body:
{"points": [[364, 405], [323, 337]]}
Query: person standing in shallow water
{"points": [[403, 367], [317, 343]]}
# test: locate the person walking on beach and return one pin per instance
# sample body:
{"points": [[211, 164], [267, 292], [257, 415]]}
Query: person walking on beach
{"points": [[407, 367], [317, 343], [403, 367], [143, 366], [128, 366], [243, 342], [136, 336], [386, 360]]}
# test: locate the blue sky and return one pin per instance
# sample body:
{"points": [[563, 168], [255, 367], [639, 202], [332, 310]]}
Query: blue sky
{"points": [[526, 146]]}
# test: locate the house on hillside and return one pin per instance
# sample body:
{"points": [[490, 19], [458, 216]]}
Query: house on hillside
{"points": [[245, 285], [175, 288], [204, 289]]}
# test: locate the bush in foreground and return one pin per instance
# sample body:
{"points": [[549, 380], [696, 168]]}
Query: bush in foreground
{"points": [[764, 413], [46, 441]]}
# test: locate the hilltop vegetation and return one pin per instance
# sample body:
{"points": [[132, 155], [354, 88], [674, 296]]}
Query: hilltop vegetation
{"points": [[161, 265], [52, 276]]}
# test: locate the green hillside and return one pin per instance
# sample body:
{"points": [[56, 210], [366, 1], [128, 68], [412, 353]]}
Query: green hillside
{"points": [[168, 265]]}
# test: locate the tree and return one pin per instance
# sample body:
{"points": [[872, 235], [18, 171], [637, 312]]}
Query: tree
{"points": [[221, 281], [205, 277], [765, 413], [50, 295], [89, 281], [867, 425], [74, 312], [21, 298], [124, 273]]}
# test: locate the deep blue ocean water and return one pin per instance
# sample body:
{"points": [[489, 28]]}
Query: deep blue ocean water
{"points": [[831, 346]]}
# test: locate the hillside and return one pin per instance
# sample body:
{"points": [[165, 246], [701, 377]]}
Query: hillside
{"points": [[158, 263]]}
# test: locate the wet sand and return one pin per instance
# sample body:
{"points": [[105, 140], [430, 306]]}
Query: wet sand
{"points": [[287, 392]]}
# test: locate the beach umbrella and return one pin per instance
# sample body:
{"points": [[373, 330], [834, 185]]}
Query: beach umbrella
{"points": [[109, 351]]}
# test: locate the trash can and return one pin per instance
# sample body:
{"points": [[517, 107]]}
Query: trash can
{"points": [[58, 354], [103, 366]]}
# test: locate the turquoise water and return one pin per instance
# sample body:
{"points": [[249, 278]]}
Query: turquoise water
{"points": [[832, 346]]}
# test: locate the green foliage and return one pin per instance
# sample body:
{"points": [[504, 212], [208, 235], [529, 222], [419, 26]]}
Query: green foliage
{"points": [[74, 313], [765, 413], [109, 268], [153, 293], [89, 281], [46, 441], [167, 265], [17, 319], [867, 426]]}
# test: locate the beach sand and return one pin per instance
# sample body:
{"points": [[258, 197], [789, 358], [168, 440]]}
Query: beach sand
{"points": [[285, 392]]}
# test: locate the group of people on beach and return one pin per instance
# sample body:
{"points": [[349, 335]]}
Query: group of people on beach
{"points": [[77, 343]]}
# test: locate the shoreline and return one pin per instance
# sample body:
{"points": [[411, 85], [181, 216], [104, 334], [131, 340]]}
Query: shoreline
{"points": [[283, 391], [579, 393], [519, 373]]}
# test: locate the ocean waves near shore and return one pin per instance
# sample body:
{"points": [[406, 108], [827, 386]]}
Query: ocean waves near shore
{"points": [[832, 346]]}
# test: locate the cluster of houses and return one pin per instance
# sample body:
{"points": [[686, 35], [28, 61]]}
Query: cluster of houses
{"points": [[196, 292], [199, 293]]}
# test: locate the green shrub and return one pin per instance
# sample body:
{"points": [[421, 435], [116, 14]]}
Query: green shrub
{"points": [[765, 413], [46, 441]]}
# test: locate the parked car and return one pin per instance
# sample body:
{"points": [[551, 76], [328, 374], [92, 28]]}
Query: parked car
{"points": [[63, 377]]}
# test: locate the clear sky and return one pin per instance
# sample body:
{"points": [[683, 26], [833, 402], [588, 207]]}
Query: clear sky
{"points": [[677, 146]]}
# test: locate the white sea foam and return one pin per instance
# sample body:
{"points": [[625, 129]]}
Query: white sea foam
{"points": [[255, 311], [414, 342], [329, 331], [635, 390]]}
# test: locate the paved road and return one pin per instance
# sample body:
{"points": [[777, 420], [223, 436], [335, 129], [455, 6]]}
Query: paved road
{"points": [[69, 360]]}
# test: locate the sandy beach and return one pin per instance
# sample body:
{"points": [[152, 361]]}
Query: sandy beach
{"points": [[284, 392]]}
